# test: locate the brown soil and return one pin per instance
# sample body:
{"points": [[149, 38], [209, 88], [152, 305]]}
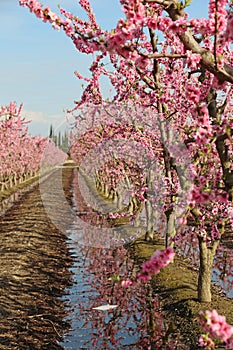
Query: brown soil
{"points": [[34, 272], [177, 288], [10, 196]]}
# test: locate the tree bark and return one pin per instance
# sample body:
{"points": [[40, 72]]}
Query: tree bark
{"points": [[226, 163], [119, 201], [207, 255], [149, 208], [171, 229], [149, 221]]}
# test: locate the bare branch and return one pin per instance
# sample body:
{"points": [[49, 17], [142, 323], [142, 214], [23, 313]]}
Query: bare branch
{"points": [[147, 80]]}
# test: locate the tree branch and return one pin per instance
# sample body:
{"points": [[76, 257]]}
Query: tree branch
{"points": [[163, 55], [190, 43], [221, 146]]}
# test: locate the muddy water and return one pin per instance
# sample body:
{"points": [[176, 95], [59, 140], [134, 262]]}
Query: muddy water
{"points": [[34, 272]]}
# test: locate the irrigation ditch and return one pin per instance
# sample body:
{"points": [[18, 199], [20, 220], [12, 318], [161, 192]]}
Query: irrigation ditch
{"points": [[176, 285], [38, 267]]}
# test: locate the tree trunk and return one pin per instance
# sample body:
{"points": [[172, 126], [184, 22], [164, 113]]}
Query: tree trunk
{"points": [[171, 228], [106, 191], [149, 221], [114, 198], [132, 207], [119, 201], [111, 193], [149, 207], [207, 255]]}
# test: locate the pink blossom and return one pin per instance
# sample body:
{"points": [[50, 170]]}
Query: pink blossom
{"points": [[193, 93], [126, 283], [206, 342], [192, 60], [159, 260], [223, 197], [216, 326], [229, 29]]}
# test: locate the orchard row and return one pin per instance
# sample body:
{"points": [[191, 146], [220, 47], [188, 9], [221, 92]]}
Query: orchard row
{"points": [[22, 155], [172, 79]]}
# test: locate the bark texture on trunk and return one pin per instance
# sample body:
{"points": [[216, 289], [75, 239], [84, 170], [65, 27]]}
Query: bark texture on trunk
{"points": [[207, 255], [149, 221], [149, 207], [171, 229]]}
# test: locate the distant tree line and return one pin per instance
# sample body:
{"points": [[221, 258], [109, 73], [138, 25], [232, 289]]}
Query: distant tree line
{"points": [[61, 139]]}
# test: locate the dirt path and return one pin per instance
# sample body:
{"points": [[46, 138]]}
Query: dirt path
{"points": [[34, 272]]}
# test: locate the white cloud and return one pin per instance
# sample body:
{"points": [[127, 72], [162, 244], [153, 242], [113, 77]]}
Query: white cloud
{"points": [[43, 117], [40, 122], [34, 116]]}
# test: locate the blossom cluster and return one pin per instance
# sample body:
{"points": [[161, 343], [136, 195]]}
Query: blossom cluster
{"points": [[216, 327], [153, 266], [21, 154], [174, 76], [117, 215], [229, 29], [117, 154]]}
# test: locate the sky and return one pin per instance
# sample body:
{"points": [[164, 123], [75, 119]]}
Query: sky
{"points": [[37, 63]]}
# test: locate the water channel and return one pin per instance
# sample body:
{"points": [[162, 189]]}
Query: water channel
{"points": [[56, 292]]}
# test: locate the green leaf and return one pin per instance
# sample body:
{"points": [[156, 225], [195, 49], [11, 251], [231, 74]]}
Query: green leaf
{"points": [[114, 278], [187, 2], [179, 5]]}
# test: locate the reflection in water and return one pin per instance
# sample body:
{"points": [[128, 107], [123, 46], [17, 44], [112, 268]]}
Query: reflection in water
{"points": [[92, 217], [223, 270], [137, 321]]}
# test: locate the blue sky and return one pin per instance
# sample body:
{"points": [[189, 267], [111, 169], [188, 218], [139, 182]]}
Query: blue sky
{"points": [[37, 63]]}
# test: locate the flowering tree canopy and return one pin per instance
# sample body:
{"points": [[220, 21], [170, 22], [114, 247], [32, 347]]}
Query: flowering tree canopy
{"points": [[21, 154], [158, 57]]}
